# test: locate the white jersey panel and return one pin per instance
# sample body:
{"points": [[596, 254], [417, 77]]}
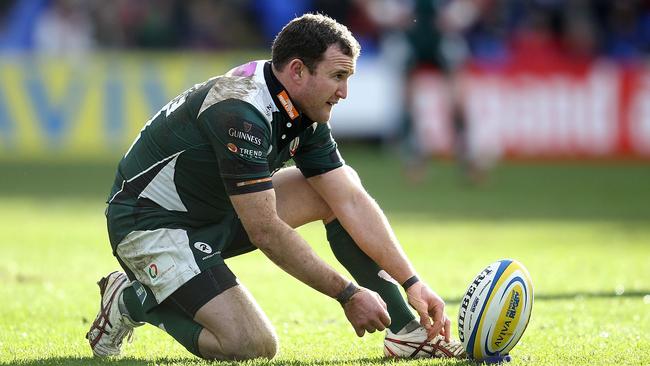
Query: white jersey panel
{"points": [[162, 189]]}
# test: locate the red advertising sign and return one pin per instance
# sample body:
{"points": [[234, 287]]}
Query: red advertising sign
{"points": [[597, 111]]}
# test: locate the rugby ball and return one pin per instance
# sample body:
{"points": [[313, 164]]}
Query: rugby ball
{"points": [[495, 310]]}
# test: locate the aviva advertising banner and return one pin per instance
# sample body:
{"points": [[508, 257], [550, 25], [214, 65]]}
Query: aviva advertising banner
{"points": [[53, 109]]}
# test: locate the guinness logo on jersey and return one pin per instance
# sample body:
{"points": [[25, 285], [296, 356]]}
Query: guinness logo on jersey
{"points": [[293, 146], [247, 126], [244, 136]]}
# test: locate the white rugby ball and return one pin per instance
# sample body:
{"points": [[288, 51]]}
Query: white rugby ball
{"points": [[495, 310]]}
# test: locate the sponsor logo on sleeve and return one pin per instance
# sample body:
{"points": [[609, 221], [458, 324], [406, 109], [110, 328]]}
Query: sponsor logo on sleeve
{"points": [[244, 152], [244, 135], [257, 154], [283, 97]]}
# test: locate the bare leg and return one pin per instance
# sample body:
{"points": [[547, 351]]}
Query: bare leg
{"points": [[297, 202], [235, 327]]}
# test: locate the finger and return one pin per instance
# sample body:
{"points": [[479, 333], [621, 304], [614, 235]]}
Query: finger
{"points": [[430, 334], [438, 320], [425, 321], [437, 314], [360, 331], [385, 319], [447, 330], [378, 325], [436, 328]]}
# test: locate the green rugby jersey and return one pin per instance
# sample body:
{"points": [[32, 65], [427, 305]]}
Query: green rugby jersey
{"points": [[223, 137]]}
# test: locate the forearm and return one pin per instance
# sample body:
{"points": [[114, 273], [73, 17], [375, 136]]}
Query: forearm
{"points": [[290, 251]]}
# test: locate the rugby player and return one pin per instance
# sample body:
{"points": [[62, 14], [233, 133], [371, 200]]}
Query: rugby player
{"points": [[203, 182]]}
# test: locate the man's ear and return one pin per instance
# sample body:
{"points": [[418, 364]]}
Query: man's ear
{"points": [[296, 70]]}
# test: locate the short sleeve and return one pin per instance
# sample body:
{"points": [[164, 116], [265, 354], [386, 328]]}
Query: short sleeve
{"points": [[240, 138], [319, 154]]}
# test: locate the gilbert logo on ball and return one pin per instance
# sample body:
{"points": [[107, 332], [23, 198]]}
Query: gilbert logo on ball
{"points": [[495, 310]]}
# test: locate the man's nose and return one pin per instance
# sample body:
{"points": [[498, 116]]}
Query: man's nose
{"points": [[342, 91]]}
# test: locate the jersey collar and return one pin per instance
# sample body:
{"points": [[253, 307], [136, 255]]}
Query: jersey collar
{"points": [[279, 94], [295, 121]]}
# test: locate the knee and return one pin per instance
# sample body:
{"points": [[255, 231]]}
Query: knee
{"points": [[263, 345], [243, 346]]}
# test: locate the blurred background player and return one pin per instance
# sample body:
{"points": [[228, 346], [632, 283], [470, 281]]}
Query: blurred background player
{"points": [[426, 37], [437, 46]]}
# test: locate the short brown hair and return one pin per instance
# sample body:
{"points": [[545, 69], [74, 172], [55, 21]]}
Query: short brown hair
{"points": [[308, 37]]}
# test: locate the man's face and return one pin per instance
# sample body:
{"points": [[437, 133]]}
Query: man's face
{"points": [[326, 86]]}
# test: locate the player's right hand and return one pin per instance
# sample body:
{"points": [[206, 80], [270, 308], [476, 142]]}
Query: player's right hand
{"points": [[366, 311], [431, 308]]}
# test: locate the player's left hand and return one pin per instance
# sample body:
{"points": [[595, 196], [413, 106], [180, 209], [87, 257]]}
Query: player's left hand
{"points": [[367, 312], [430, 307]]}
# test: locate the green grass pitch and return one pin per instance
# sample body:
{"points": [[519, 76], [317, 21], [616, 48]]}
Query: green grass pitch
{"points": [[582, 230]]}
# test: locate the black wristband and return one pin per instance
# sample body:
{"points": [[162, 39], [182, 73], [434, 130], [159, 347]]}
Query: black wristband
{"points": [[410, 282], [346, 294]]}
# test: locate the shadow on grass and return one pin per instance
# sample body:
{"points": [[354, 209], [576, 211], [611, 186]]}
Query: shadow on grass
{"points": [[91, 361]]}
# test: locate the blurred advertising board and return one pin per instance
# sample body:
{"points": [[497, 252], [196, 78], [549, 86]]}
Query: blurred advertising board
{"points": [[599, 110], [93, 109]]}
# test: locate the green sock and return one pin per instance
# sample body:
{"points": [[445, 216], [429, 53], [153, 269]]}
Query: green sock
{"points": [[366, 272], [165, 316]]}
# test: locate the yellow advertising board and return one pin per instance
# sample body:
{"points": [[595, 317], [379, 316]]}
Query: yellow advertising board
{"points": [[57, 109]]}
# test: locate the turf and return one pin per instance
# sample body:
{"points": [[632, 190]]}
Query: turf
{"points": [[582, 229]]}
